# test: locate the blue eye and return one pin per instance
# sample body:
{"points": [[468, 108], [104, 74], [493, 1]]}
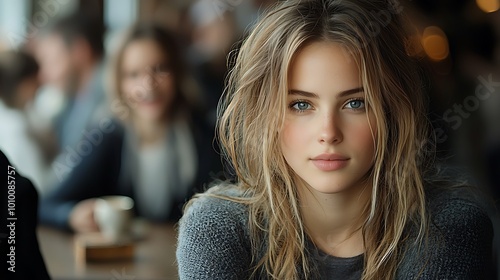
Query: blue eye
{"points": [[300, 106], [355, 104]]}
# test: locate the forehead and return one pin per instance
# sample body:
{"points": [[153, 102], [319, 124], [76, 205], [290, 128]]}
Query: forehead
{"points": [[143, 52], [51, 43], [323, 67]]}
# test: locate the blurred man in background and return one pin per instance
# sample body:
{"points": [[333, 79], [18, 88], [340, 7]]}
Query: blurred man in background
{"points": [[70, 53]]}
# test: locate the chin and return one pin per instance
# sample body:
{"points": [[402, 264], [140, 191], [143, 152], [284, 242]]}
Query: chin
{"points": [[148, 116], [329, 189], [332, 186]]}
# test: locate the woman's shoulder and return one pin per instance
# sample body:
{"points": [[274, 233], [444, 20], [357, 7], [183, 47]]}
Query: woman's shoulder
{"points": [[220, 203], [213, 241], [459, 238], [457, 207], [107, 129]]}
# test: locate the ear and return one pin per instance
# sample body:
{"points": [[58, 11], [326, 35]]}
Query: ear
{"points": [[81, 51]]}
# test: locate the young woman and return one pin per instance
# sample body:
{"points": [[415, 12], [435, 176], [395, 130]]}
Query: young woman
{"points": [[157, 151], [324, 124]]}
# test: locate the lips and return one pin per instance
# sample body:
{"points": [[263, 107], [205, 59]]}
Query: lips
{"points": [[330, 162], [330, 157], [148, 100]]}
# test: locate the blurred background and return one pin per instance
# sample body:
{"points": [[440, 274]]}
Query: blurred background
{"points": [[458, 42]]}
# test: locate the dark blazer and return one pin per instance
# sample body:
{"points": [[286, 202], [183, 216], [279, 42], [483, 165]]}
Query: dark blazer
{"points": [[28, 262], [98, 174]]}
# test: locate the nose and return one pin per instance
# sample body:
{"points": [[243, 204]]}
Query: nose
{"points": [[330, 131], [149, 81]]}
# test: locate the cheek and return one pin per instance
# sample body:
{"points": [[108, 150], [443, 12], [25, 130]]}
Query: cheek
{"points": [[367, 140], [127, 88], [167, 88], [293, 137], [131, 92], [363, 139], [64, 65], [58, 71]]}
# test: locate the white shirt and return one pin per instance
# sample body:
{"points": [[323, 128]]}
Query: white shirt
{"points": [[21, 149]]}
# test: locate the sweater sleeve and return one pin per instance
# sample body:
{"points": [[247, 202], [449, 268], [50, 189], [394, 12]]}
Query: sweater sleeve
{"points": [[213, 242], [459, 245]]}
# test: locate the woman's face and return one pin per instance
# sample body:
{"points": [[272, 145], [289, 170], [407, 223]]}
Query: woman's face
{"points": [[147, 82], [328, 136]]}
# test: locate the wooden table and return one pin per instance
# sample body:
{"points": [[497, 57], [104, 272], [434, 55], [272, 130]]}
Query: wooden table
{"points": [[154, 257]]}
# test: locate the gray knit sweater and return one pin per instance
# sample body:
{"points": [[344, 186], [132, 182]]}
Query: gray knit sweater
{"points": [[214, 241]]}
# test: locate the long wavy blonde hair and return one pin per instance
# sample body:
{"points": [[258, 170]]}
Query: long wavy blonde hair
{"points": [[251, 117]]}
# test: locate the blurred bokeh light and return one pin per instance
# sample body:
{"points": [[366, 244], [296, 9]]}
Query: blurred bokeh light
{"points": [[488, 6], [435, 43]]}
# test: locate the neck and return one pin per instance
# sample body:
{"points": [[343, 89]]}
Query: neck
{"points": [[334, 221], [149, 133]]}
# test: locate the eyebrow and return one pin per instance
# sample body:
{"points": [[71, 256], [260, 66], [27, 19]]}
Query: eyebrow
{"points": [[314, 95]]}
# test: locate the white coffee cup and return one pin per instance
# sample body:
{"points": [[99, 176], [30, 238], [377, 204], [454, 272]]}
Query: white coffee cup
{"points": [[114, 216]]}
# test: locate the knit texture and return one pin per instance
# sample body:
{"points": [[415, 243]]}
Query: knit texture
{"points": [[214, 241]]}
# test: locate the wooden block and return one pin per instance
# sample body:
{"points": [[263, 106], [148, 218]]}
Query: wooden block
{"points": [[95, 247]]}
